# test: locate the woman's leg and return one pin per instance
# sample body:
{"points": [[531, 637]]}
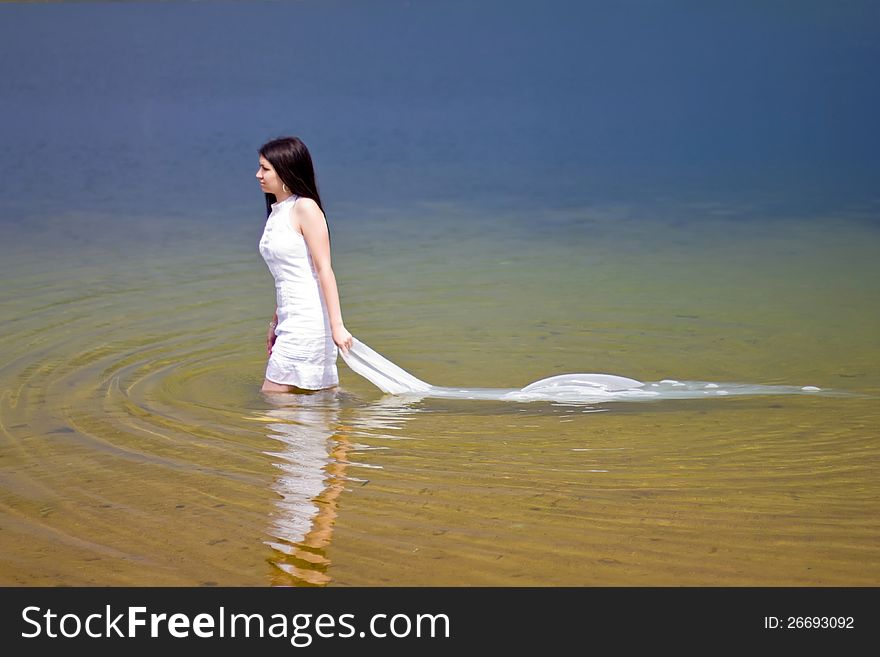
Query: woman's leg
{"points": [[271, 386]]}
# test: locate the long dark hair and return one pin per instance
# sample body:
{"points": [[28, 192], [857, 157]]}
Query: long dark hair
{"points": [[293, 163]]}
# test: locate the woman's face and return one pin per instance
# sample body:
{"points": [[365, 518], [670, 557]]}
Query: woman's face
{"points": [[269, 180]]}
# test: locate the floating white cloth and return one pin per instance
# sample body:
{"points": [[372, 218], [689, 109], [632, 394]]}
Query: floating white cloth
{"points": [[380, 371], [567, 388]]}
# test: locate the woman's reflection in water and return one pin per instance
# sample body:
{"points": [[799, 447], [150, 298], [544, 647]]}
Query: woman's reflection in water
{"points": [[314, 455]]}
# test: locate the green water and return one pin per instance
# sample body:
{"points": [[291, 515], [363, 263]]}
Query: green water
{"points": [[136, 448]]}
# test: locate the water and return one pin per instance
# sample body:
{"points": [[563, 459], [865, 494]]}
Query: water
{"points": [[477, 242]]}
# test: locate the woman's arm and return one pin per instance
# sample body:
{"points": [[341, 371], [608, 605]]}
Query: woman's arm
{"points": [[309, 219], [270, 333]]}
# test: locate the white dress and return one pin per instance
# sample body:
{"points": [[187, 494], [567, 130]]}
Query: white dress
{"points": [[304, 354]]}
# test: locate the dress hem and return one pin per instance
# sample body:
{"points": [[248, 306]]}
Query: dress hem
{"points": [[300, 385]]}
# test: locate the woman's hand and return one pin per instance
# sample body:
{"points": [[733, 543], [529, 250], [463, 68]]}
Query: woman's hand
{"points": [[270, 338], [342, 338]]}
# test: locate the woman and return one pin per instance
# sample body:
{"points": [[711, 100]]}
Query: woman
{"points": [[307, 328]]}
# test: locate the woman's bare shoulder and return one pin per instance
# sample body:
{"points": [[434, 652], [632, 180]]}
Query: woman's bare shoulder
{"points": [[306, 212], [307, 205]]}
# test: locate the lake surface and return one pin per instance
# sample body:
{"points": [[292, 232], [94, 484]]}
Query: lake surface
{"points": [[657, 193]]}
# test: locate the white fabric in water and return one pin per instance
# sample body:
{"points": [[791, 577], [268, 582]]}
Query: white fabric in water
{"points": [[566, 388], [380, 371]]}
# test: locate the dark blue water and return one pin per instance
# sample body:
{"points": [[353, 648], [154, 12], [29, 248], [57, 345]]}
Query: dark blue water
{"points": [[747, 109]]}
